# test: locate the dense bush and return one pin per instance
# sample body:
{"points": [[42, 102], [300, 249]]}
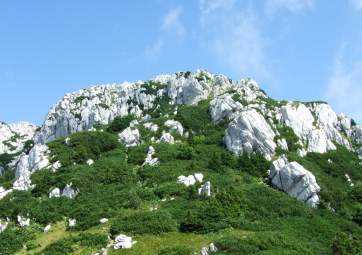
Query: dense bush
{"points": [[261, 243], [120, 123], [155, 222], [12, 239], [69, 245], [82, 146], [178, 250]]}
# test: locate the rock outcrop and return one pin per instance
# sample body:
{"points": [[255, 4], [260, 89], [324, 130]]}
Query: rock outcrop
{"points": [[130, 137], [205, 189], [13, 136], [211, 248], [294, 179], [150, 160], [123, 242], [249, 132], [191, 179], [35, 160]]}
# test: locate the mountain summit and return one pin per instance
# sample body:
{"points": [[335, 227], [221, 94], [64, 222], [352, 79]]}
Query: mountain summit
{"points": [[185, 163]]}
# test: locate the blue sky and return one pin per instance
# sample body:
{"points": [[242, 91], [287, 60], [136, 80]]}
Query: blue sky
{"points": [[295, 49]]}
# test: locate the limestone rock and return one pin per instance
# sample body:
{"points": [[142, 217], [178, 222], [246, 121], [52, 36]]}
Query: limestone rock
{"points": [[295, 180], [190, 180], [23, 222], [349, 180], [166, 138], [123, 242], [211, 248], [54, 193], [223, 107], [205, 189], [150, 160], [4, 192], [13, 136], [3, 226], [103, 220], [249, 132], [72, 222], [47, 228], [301, 152], [282, 143], [69, 192], [174, 126], [130, 137], [90, 162], [28, 164], [151, 126]]}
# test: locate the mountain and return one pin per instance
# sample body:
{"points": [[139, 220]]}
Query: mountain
{"points": [[185, 163]]}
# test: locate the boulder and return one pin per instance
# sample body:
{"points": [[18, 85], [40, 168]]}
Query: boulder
{"points": [[69, 192], [205, 189], [3, 226], [149, 160], [130, 137], [23, 222], [249, 132], [103, 220], [151, 126], [54, 193], [190, 180], [174, 126], [295, 180], [166, 138], [301, 152], [90, 162], [123, 242], [211, 248], [72, 222], [47, 228]]}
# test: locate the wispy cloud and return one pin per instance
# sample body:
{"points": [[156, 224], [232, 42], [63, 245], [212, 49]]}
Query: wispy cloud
{"points": [[290, 5], [172, 23], [233, 36], [344, 90], [357, 4]]}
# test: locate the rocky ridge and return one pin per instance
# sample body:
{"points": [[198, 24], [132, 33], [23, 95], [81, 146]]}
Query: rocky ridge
{"points": [[256, 123]]}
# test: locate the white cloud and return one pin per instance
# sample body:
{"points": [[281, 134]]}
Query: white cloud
{"points": [[357, 4], [153, 51], [344, 90], [290, 5], [172, 23], [233, 37]]}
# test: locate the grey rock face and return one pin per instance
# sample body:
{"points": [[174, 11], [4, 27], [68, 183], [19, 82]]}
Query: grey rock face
{"points": [[250, 132], [174, 126], [205, 189], [130, 137], [211, 248], [69, 192], [150, 160], [123, 242], [13, 136], [37, 159], [295, 180]]}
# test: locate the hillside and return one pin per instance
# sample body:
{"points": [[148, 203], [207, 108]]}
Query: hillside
{"points": [[187, 163]]}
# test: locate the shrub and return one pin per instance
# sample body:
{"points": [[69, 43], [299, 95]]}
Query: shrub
{"points": [[178, 250], [83, 146], [155, 222], [12, 239], [120, 123], [254, 164]]}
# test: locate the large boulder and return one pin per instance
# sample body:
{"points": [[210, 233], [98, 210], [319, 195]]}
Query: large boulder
{"points": [[249, 132], [130, 137], [123, 242], [174, 126], [295, 180]]}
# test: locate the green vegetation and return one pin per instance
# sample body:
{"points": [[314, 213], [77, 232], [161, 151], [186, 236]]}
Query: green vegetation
{"points": [[244, 215]]}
